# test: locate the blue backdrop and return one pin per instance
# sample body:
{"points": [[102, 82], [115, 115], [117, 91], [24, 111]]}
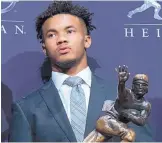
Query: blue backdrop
{"points": [[118, 40]]}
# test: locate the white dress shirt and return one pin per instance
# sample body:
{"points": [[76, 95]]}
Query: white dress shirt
{"points": [[65, 90]]}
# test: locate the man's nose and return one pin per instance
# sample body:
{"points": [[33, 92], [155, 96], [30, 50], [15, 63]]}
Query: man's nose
{"points": [[61, 39]]}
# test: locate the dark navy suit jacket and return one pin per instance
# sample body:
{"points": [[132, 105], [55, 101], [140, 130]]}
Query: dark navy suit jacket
{"points": [[41, 116]]}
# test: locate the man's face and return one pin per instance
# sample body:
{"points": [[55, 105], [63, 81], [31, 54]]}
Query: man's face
{"points": [[140, 87], [65, 39]]}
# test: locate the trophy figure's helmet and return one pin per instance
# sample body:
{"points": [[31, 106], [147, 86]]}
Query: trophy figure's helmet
{"points": [[140, 84], [142, 77]]}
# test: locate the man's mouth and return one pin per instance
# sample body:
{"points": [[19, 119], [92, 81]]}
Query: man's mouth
{"points": [[64, 50]]}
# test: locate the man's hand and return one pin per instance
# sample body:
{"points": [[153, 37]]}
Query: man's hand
{"points": [[123, 74]]}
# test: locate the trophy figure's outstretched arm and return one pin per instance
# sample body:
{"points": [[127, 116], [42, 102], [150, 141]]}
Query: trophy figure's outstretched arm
{"points": [[121, 92], [123, 76]]}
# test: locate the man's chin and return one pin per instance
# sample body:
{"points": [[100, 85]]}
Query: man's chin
{"points": [[66, 64]]}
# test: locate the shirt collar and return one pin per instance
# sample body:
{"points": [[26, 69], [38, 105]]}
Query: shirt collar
{"points": [[58, 78], [86, 74]]}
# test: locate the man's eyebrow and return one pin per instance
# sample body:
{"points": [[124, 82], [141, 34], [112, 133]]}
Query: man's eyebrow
{"points": [[70, 26], [54, 30], [51, 30]]}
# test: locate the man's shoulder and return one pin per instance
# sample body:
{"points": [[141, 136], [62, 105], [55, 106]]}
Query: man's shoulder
{"points": [[99, 79], [102, 81], [33, 98], [109, 87]]}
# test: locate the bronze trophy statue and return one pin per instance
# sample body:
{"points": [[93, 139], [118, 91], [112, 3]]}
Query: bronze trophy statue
{"points": [[130, 106]]}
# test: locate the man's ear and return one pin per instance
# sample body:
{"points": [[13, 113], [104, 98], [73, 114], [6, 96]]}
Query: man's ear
{"points": [[44, 49], [88, 41]]}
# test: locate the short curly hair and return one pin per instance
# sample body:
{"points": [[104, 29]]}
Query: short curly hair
{"points": [[59, 7]]}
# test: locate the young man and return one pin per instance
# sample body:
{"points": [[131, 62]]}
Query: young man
{"points": [[67, 107]]}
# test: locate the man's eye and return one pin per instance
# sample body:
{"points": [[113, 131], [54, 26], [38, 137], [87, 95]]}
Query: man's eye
{"points": [[51, 35], [70, 31]]}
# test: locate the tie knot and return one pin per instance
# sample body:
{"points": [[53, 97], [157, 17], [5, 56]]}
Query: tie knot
{"points": [[73, 81]]}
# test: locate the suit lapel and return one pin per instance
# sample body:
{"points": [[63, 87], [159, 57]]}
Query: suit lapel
{"points": [[96, 101], [54, 104]]}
